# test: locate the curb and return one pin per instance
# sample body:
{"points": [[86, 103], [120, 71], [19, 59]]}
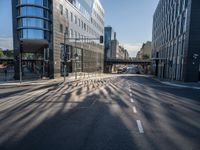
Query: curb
{"points": [[176, 84]]}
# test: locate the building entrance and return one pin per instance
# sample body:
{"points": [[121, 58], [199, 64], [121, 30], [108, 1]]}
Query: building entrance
{"points": [[31, 61]]}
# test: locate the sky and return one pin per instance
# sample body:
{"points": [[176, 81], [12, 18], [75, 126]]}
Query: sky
{"points": [[132, 20], [5, 24]]}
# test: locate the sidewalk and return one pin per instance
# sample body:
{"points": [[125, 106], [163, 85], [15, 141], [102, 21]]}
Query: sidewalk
{"points": [[59, 80], [193, 85]]}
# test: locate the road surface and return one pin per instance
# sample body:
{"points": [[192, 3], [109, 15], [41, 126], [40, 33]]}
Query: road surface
{"points": [[122, 112]]}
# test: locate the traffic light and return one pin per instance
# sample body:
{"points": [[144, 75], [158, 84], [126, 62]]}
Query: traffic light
{"points": [[101, 39], [21, 46], [17, 58]]}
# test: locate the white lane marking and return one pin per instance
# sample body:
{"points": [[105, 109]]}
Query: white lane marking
{"points": [[131, 94], [139, 124], [132, 101], [134, 109], [129, 90]]}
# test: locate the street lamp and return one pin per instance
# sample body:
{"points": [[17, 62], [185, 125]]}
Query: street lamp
{"points": [[20, 61], [65, 54], [76, 58]]}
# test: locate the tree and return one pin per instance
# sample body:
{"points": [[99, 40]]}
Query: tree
{"points": [[1, 53], [145, 57]]}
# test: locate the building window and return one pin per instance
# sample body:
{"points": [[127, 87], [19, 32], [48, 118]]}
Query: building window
{"points": [[72, 17], [61, 9], [34, 2], [71, 33], [186, 3], [33, 22], [183, 24], [33, 11], [82, 24], [79, 22], [61, 28], [66, 13], [67, 31], [75, 19], [32, 34]]}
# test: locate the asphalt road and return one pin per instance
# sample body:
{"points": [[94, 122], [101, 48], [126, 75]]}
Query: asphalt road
{"points": [[118, 113]]}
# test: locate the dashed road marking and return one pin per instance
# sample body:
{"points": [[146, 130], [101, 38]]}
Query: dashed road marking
{"points": [[131, 94], [139, 124], [134, 109], [132, 101]]}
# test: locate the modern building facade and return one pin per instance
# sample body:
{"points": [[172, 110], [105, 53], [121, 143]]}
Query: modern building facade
{"points": [[122, 53], [109, 36], [176, 40], [112, 48], [138, 55], [39, 28]]}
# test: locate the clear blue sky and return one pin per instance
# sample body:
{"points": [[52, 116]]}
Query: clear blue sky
{"points": [[5, 24], [131, 19]]}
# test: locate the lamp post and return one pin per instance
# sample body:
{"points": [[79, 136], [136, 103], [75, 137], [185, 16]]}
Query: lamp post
{"points": [[75, 58], [65, 54], [20, 67], [20, 61]]}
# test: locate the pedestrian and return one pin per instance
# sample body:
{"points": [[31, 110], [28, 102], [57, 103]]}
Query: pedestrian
{"points": [[5, 72]]}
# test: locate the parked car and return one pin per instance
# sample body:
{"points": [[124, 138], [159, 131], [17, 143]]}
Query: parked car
{"points": [[120, 70]]}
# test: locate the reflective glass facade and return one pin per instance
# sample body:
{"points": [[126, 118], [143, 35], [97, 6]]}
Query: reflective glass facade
{"points": [[34, 2], [33, 19], [32, 34], [33, 11], [33, 22], [108, 37]]}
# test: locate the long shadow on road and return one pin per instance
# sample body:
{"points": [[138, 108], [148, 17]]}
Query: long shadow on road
{"points": [[165, 110], [90, 125], [68, 121]]}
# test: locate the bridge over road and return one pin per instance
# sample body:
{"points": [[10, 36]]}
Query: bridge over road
{"points": [[109, 63]]}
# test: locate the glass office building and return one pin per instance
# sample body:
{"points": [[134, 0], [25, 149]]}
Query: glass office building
{"points": [[109, 36], [33, 19], [176, 40], [39, 27]]}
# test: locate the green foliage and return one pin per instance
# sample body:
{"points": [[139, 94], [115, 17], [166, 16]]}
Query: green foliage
{"points": [[145, 57], [1, 53], [9, 53]]}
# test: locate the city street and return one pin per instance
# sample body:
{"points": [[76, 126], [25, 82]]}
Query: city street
{"points": [[120, 112]]}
